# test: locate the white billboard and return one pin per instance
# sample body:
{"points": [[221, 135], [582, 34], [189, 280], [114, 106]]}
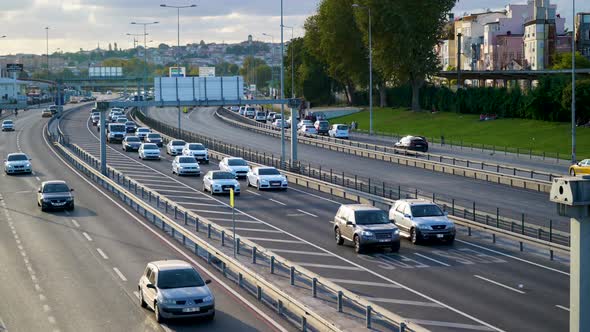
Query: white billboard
{"points": [[206, 71], [177, 72], [198, 88], [105, 71]]}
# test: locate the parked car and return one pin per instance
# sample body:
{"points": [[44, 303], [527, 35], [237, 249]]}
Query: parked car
{"points": [[55, 195], [414, 143], [142, 132], [154, 138], [238, 166], [175, 147], [339, 131], [174, 289], [185, 165], [131, 143], [242, 110], [276, 116], [7, 125], [582, 167], [149, 151], [17, 163], [304, 123], [197, 150], [420, 220], [267, 178], [322, 127], [365, 226], [219, 182], [308, 130]]}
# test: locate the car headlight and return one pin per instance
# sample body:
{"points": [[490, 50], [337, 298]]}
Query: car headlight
{"points": [[367, 233], [424, 227], [164, 300], [263, 181], [451, 226], [27, 165], [69, 199], [396, 232], [208, 298]]}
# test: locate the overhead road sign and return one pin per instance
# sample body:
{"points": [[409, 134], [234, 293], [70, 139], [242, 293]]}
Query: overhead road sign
{"points": [[105, 71], [14, 67], [195, 89]]}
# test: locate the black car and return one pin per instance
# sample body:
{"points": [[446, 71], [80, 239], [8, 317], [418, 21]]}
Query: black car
{"points": [[55, 195], [414, 143]]}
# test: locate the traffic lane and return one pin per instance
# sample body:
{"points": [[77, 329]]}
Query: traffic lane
{"points": [[511, 201], [129, 247]]}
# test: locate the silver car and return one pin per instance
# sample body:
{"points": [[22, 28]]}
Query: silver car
{"points": [[174, 289], [7, 125], [219, 182], [175, 147], [17, 163], [185, 165], [420, 220], [197, 150], [267, 178], [238, 166], [149, 151], [365, 226]]}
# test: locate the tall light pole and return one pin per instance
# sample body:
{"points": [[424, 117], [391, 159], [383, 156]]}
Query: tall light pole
{"points": [[292, 64], [370, 69], [136, 35], [145, 24], [272, 66], [293, 117], [47, 47], [574, 82], [178, 8]]}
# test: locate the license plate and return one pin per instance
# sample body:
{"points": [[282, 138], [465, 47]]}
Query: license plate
{"points": [[59, 204], [384, 240], [440, 236], [191, 309]]}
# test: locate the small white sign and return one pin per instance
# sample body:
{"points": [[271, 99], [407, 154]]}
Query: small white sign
{"points": [[206, 71]]}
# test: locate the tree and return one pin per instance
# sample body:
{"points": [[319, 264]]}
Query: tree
{"points": [[564, 61], [582, 100], [163, 46], [404, 36], [226, 69], [248, 69]]}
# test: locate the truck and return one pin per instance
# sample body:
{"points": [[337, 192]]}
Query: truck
{"points": [[115, 132]]}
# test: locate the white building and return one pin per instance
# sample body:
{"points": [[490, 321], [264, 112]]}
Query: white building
{"points": [[472, 28], [540, 34], [11, 90]]}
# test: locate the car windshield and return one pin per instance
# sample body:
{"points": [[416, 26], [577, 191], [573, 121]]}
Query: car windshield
{"points": [[179, 279], [55, 188], [117, 128], [153, 135], [223, 176], [268, 171], [237, 162], [150, 147], [196, 147], [143, 130], [323, 125], [251, 109], [426, 210], [7, 122], [342, 127], [178, 143], [187, 160], [132, 139], [130, 123], [17, 157], [370, 217]]}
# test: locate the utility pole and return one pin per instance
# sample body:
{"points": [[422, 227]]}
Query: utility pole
{"points": [[47, 48], [145, 24], [459, 35], [292, 64], [574, 82], [293, 117]]}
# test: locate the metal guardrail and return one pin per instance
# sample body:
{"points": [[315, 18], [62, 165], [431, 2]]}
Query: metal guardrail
{"points": [[175, 220], [356, 189], [395, 156]]}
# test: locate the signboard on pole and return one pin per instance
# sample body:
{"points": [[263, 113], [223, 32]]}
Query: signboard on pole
{"points": [[14, 67], [177, 72], [206, 71]]}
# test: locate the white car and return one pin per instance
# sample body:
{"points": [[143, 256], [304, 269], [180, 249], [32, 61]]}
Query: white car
{"points": [[242, 110], [260, 116], [142, 132], [17, 163], [304, 123], [267, 178], [308, 130], [338, 131], [289, 120], [280, 124], [185, 165], [250, 112], [219, 182], [175, 147], [238, 166], [270, 116], [149, 151], [197, 150], [234, 108], [7, 125]]}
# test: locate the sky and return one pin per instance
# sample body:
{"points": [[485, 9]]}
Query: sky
{"points": [[75, 24]]}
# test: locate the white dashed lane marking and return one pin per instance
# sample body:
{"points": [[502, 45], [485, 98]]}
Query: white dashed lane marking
{"points": [[562, 307], [278, 202], [87, 236], [104, 256], [309, 214], [499, 284], [120, 274], [75, 223]]}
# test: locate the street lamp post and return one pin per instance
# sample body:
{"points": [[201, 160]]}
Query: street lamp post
{"points": [[145, 24], [178, 8], [370, 69], [293, 117], [272, 66], [574, 82], [292, 64], [135, 41], [47, 47]]}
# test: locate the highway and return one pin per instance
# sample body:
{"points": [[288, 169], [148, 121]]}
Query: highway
{"points": [[488, 196], [468, 286], [78, 271]]}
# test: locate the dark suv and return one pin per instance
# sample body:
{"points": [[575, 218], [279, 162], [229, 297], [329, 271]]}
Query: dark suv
{"points": [[414, 143], [55, 195]]}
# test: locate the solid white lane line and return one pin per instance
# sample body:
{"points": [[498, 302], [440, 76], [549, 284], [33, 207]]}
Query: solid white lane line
{"points": [[298, 252], [362, 283], [562, 307], [75, 223], [405, 302], [278, 202], [513, 257], [200, 204], [104, 256], [327, 266], [257, 230], [451, 324], [431, 259], [163, 191], [210, 211], [87, 236], [136, 293], [119, 274], [189, 197], [309, 214], [37, 178], [272, 240], [499, 284], [253, 192], [237, 220]]}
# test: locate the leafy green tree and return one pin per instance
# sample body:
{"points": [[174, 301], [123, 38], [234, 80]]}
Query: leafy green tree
{"points": [[248, 69], [582, 100], [226, 69], [564, 61]]}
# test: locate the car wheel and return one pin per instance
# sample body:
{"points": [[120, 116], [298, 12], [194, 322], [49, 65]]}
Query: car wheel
{"points": [[358, 248], [204, 189], [414, 237], [71, 207], [450, 241], [572, 172], [395, 247], [210, 317], [159, 318], [141, 300], [258, 185], [338, 237]]}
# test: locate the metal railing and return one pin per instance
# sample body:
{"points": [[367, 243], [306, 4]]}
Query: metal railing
{"points": [[249, 270]]}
